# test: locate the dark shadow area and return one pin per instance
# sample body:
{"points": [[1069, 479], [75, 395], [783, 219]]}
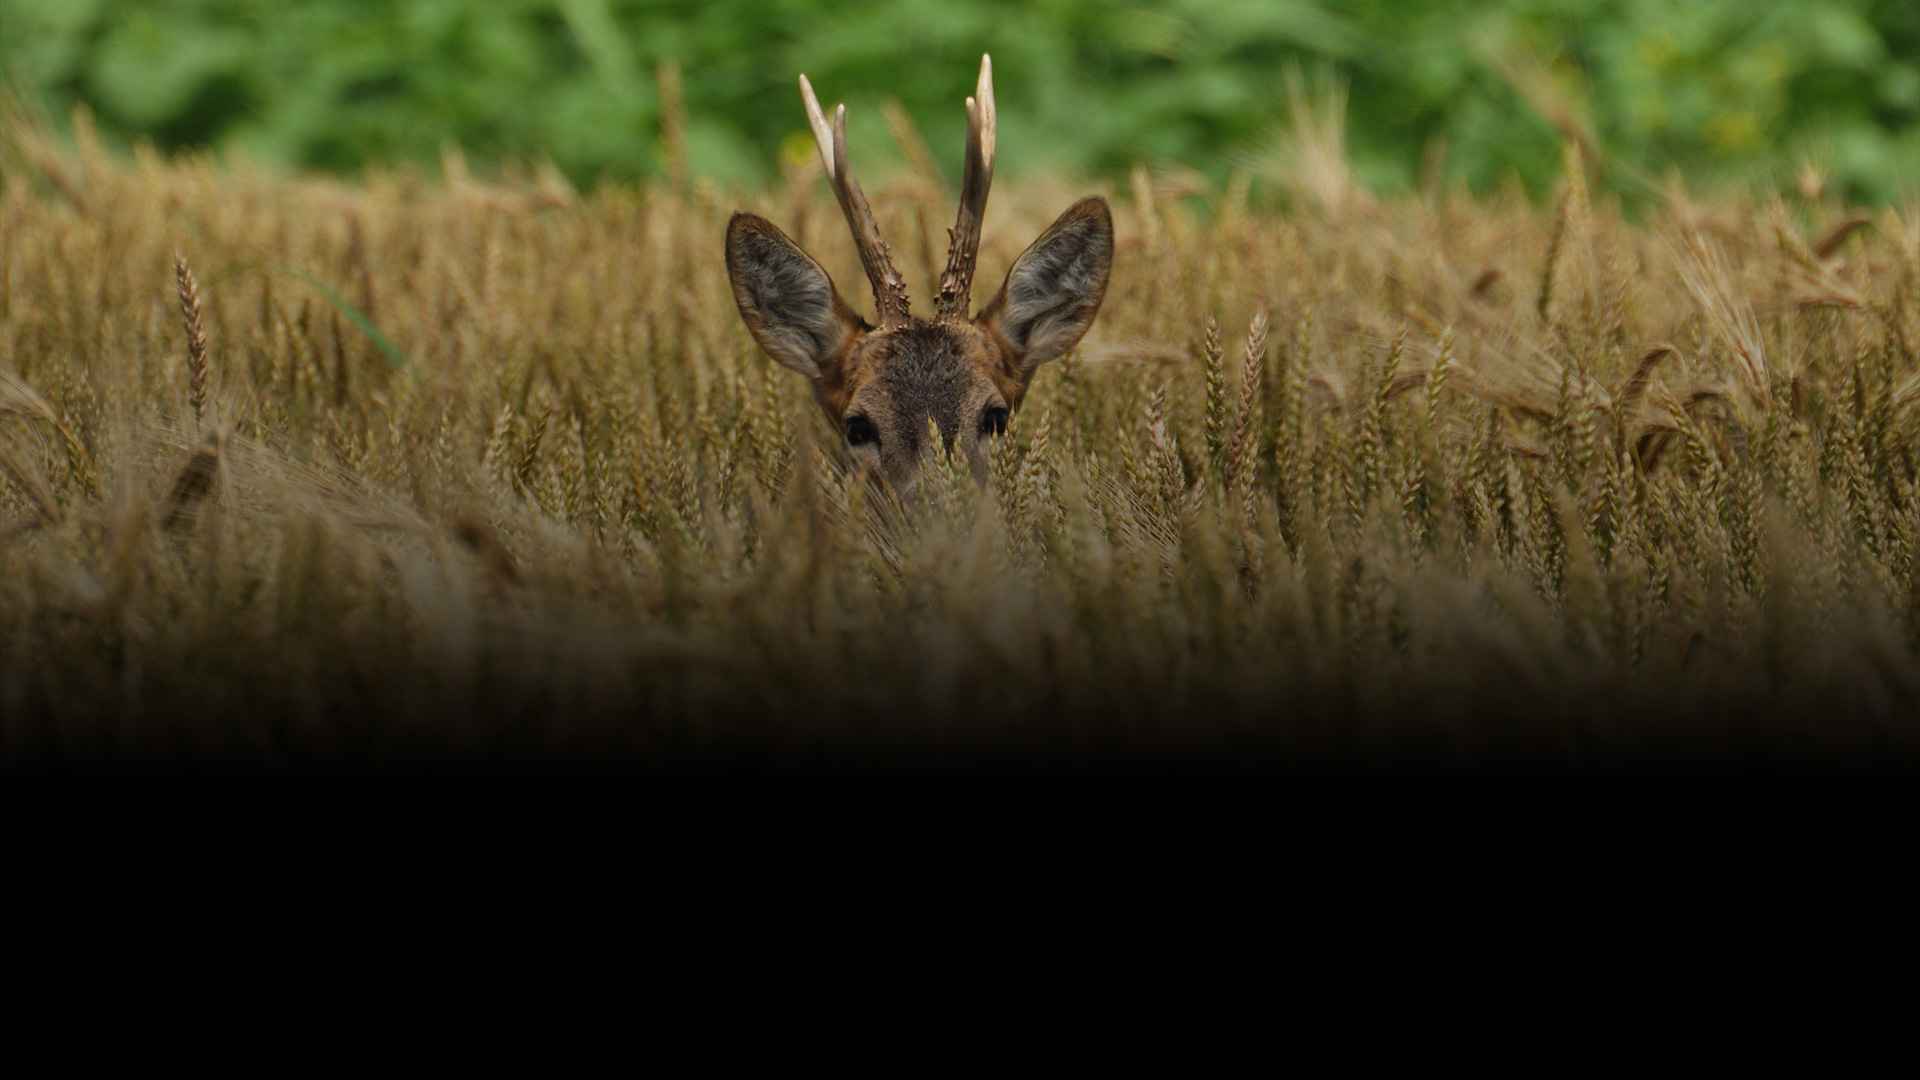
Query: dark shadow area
{"points": [[401, 721]]}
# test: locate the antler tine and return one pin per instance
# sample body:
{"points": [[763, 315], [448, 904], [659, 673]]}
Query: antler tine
{"points": [[822, 133], [889, 288], [963, 248]]}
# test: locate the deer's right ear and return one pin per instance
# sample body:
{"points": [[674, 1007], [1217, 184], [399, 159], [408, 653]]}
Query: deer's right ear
{"points": [[787, 301]]}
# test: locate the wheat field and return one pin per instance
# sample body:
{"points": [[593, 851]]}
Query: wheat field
{"points": [[298, 470]]}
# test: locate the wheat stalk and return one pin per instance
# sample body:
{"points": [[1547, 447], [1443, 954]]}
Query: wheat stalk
{"points": [[197, 368]]}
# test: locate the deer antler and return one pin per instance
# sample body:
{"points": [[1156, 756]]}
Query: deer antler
{"points": [[963, 240], [889, 288]]}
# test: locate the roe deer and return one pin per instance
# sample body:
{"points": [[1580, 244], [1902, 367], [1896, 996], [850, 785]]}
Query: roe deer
{"points": [[882, 385]]}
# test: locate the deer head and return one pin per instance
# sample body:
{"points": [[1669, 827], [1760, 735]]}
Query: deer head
{"points": [[887, 386]]}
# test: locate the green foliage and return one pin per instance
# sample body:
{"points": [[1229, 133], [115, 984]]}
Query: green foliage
{"points": [[1728, 89]]}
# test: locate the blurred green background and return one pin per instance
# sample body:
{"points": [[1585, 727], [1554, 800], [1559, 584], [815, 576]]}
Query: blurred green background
{"points": [[1740, 91]]}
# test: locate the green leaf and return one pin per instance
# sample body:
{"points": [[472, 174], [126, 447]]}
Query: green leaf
{"points": [[396, 359]]}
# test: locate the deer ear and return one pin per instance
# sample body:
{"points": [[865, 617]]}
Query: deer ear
{"points": [[787, 301], [1055, 287]]}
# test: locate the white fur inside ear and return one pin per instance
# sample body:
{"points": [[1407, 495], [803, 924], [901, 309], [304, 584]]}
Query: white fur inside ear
{"points": [[785, 298], [1054, 290]]}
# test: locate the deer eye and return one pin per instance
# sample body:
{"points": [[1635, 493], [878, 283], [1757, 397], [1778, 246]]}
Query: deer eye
{"points": [[860, 431], [993, 421]]}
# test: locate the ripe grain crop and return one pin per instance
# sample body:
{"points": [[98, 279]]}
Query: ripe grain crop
{"points": [[438, 465]]}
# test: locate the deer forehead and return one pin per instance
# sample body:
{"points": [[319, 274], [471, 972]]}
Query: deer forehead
{"points": [[926, 368]]}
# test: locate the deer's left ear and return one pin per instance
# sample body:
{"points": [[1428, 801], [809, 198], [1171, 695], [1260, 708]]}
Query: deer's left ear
{"points": [[1055, 287]]}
